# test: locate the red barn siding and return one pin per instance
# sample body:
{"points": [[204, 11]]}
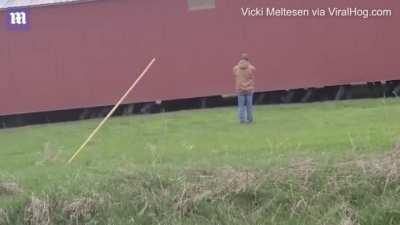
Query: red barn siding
{"points": [[82, 55]]}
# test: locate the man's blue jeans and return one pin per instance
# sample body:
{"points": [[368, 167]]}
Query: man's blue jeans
{"points": [[245, 103]]}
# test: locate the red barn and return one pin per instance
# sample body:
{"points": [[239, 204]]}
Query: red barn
{"points": [[86, 53]]}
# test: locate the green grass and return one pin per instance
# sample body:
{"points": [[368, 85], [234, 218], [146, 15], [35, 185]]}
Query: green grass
{"points": [[200, 139]]}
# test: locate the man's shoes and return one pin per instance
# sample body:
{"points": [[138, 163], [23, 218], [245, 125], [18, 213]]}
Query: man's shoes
{"points": [[246, 122]]}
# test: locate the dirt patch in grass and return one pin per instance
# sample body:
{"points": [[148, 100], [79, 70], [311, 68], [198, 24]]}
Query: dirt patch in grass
{"points": [[349, 216], [9, 188], [4, 217], [80, 209], [215, 185]]}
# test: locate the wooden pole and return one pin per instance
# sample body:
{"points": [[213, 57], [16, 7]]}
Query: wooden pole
{"points": [[112, 111]]}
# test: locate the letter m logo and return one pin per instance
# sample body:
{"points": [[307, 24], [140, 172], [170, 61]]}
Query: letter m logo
{"points": [[17, 19]]}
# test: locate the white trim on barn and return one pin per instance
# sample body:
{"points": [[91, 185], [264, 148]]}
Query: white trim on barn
{"points": [[32, 3]]}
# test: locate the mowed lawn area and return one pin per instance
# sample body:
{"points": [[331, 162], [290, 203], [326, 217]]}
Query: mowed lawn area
{"points": [[34, 157], [37, 155]]}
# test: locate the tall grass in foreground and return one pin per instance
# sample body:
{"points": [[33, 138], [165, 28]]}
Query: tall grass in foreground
{"points": [[358, 191]]}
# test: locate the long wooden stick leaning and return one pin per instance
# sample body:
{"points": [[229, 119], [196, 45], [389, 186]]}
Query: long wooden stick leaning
{"points": [[112, 111]]}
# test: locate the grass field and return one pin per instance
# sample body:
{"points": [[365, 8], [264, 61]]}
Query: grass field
{"points": [[142, 169]]}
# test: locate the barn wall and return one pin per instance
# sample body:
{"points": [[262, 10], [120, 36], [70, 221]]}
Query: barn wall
{"points": [[88, 54]]}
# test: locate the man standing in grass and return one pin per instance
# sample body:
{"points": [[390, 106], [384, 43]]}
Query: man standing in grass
{"points": [[244, 74]]}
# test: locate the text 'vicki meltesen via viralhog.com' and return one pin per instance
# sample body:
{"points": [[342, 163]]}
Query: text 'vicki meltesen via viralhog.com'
{"points": [[317, 12]]}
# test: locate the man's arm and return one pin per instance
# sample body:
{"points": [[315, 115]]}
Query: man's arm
{"points": [[253, 72], [236, 79]]}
